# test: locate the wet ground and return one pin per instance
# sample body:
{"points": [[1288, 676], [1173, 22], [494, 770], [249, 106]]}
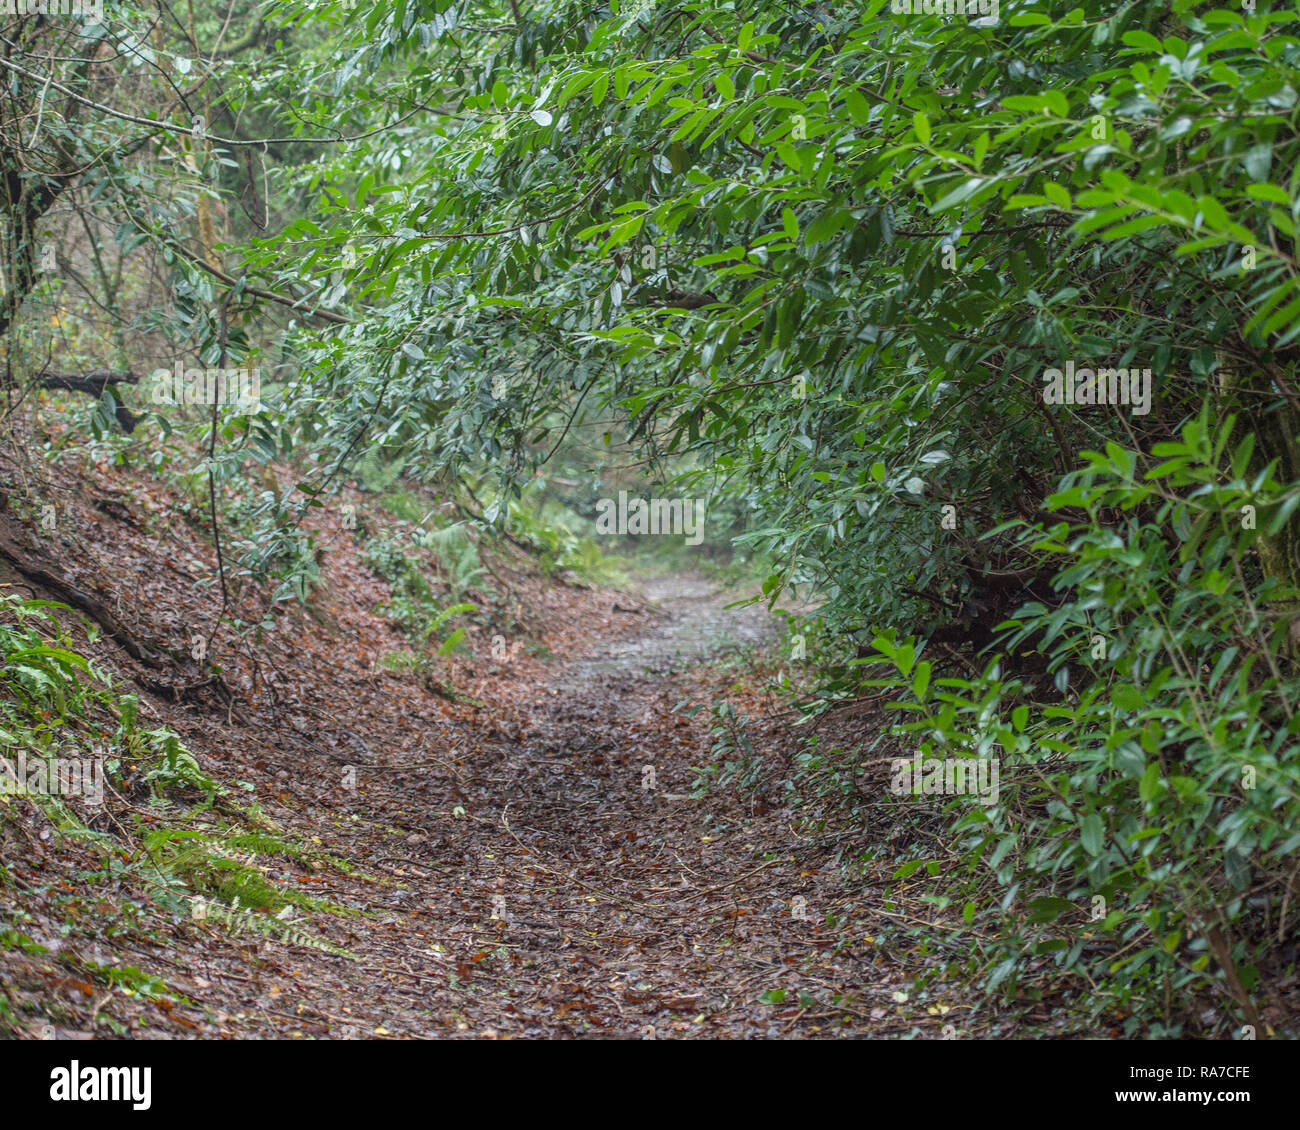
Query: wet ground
{"points": [[684, 618]]}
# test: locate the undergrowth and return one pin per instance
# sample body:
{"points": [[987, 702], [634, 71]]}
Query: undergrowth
{"points": [[155, 823]]}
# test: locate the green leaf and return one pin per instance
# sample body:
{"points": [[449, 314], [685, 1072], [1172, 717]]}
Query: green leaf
{"points": [[1142, 39], [1049, 908], [1057, 195], [1149, 787], [1092, 834], [921, 680], [858, 108], [960, 194], [826, 225], [1257, 161]]}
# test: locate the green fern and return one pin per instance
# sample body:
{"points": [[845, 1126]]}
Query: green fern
{"points": [[242, 921], [177, 766]]}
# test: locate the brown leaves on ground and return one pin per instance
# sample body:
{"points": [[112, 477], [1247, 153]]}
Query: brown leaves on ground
{"points": [[518, 872]]}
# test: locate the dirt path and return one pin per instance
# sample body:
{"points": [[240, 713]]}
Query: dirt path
{"points": [[541, 865], [577, 887]]}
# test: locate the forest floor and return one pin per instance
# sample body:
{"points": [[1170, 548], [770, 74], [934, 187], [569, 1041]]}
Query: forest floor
{"points": [[585, 889], [532, 855]]}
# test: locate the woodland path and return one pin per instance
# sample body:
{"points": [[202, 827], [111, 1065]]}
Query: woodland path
{"points": [[546, 884]]}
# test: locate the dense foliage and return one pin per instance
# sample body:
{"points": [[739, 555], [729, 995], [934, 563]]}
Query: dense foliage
{"points": [[825, 258]]}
